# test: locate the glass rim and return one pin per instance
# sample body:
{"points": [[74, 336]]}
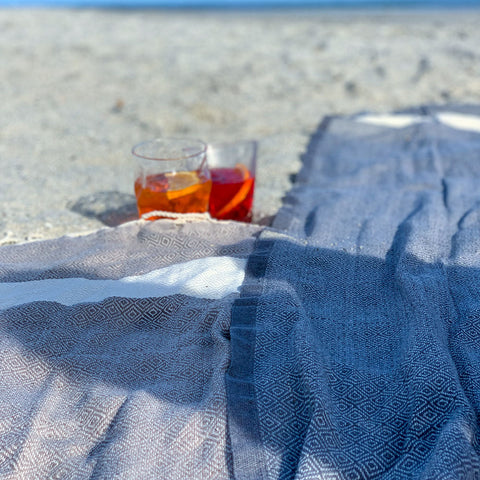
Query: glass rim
{"points": [[219, 147], [232, 144], [202, 149]]}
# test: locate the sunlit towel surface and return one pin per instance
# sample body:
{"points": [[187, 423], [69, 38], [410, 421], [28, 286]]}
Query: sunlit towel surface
{"points": [[342, 343], [364, 346]]}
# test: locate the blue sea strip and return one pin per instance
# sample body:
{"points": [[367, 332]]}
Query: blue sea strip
{"points": [[244, 3]]}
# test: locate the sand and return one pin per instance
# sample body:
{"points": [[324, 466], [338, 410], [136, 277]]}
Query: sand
{"points": [[80, 87]]}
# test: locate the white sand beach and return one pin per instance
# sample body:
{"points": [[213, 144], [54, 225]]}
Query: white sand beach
{"points": [[79, 87]]}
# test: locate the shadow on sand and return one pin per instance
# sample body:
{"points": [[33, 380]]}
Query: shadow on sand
{"points": [[112, 208]]}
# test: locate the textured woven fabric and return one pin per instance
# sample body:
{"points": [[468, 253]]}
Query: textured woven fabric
{"points": [[344, 343], [356, 342], [127, 387]]}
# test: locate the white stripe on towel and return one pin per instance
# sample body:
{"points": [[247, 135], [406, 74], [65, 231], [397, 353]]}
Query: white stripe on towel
{"points": [[460, 121], [211, 277], [393, 120]]}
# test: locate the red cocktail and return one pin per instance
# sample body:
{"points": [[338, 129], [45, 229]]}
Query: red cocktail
{"points": [[232, 168], [231, 197]]}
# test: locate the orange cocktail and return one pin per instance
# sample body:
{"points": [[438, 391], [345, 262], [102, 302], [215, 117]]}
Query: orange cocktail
{"points": [[179, 192], [172, 177]]}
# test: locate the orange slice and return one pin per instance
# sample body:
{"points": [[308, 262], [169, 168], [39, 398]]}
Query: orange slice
{"points": [[173, 194], [181, 184], [242, 193], [243, 169]]}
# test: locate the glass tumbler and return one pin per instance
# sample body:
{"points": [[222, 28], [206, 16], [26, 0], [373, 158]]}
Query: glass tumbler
{"points": [[232, 167], [171, 176]]}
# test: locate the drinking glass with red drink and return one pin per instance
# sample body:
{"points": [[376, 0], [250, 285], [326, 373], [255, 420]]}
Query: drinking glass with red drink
{"points": [[171, 176], [232, 168]]}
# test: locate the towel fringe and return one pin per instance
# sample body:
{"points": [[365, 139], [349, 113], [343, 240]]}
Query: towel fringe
{"points": [[181, 217]]}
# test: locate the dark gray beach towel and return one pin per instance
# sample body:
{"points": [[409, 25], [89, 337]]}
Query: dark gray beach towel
{"points": [[351, 352], [358, 356]]}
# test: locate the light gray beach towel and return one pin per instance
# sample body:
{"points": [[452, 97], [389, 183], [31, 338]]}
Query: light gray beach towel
{"points": [[343, 343], [113, 351]]}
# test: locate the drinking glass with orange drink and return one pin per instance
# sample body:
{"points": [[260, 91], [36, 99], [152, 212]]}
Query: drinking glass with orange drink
{"points": [[171, 176], [232, 168]]}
